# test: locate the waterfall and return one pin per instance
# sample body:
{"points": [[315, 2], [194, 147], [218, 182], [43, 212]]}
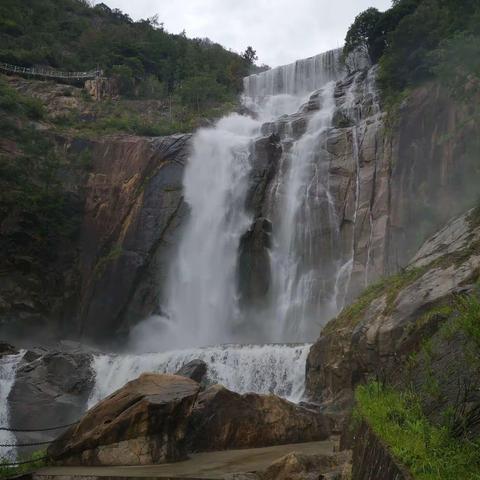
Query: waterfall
{"points": [[306, 231], [8, 370], [201, 295], [201, 306], [278, 369], [297, 79]]}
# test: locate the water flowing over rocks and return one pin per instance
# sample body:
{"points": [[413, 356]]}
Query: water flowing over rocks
{"points": [[367, 196], [277, 369], [223, 420], [142, 423]]}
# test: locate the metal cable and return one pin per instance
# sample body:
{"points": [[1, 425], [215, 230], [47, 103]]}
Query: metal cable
{"points": [[37, 429], [24, 444]]}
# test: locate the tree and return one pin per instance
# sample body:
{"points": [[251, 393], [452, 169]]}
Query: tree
{"points": [[362, 32], [199, 91], [250, 55]]}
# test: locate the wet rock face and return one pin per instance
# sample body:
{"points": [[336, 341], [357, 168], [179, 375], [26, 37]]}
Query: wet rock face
{"points": [[134, 209], [195, 370], [378, 340], [142, 423], [253, 275], [225, 420], [50, 389]]}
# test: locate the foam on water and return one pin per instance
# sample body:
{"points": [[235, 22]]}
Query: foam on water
{"points": [[275, 368]]}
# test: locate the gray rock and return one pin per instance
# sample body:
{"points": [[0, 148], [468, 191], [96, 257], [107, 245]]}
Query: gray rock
{"points": [[195, 370], [379, 340], [50, 389], [7, 349]]}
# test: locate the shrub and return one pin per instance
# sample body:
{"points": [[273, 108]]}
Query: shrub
{"points": [[427, 450]]}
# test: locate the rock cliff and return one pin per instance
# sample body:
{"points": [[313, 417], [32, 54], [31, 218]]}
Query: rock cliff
{"points": [[376, 336]]}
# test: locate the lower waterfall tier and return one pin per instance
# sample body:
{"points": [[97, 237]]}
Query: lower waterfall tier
{"points": [[275, 368]]}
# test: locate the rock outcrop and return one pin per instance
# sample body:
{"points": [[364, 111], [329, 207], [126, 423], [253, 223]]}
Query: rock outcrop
{"points": [[134, 207], [224, 420], [297, 466], [195, 370], [372, 459], [392, 181], [376, 335], [51, 389], [144, 422]]}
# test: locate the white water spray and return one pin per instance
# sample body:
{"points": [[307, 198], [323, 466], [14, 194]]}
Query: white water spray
{"points": [[201, 305], [8, 370], [306, 213], [278, 369]]}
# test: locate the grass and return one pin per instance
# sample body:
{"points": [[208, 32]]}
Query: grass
{"points": [[37, 458], [467, 319], [390, 287], [428, 451]]}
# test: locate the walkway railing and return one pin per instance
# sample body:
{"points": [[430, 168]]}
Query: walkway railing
{"points": [[49, 72]]}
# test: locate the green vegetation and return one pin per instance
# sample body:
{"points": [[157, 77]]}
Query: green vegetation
{"points": [[38, 460], [11, 103], [138, 117], [468, 318], [147, 61], [31, 187], [429, 451], [388, 287], [416, 40]]}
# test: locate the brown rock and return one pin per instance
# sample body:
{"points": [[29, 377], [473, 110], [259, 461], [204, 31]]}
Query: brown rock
{"points": [[225, 420], [144, 422], [296, 466]]}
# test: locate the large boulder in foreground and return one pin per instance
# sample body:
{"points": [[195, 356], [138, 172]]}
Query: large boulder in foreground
{"points": [[224, 420], [144, 422]]}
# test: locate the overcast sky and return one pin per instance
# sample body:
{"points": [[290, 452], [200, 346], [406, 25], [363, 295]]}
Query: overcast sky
{"points": [[280, 31]]}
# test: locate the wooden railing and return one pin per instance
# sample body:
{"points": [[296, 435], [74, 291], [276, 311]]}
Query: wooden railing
{"points": [[50, 73]]}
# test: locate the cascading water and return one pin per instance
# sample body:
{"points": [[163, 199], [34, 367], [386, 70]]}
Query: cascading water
{"points": [[8, 370], [278, 369], [309, 277], [306, 210], [201, 297], [202, 301]]}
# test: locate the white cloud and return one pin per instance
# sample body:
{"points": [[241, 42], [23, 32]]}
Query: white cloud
{"points": [[280, 31]]}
